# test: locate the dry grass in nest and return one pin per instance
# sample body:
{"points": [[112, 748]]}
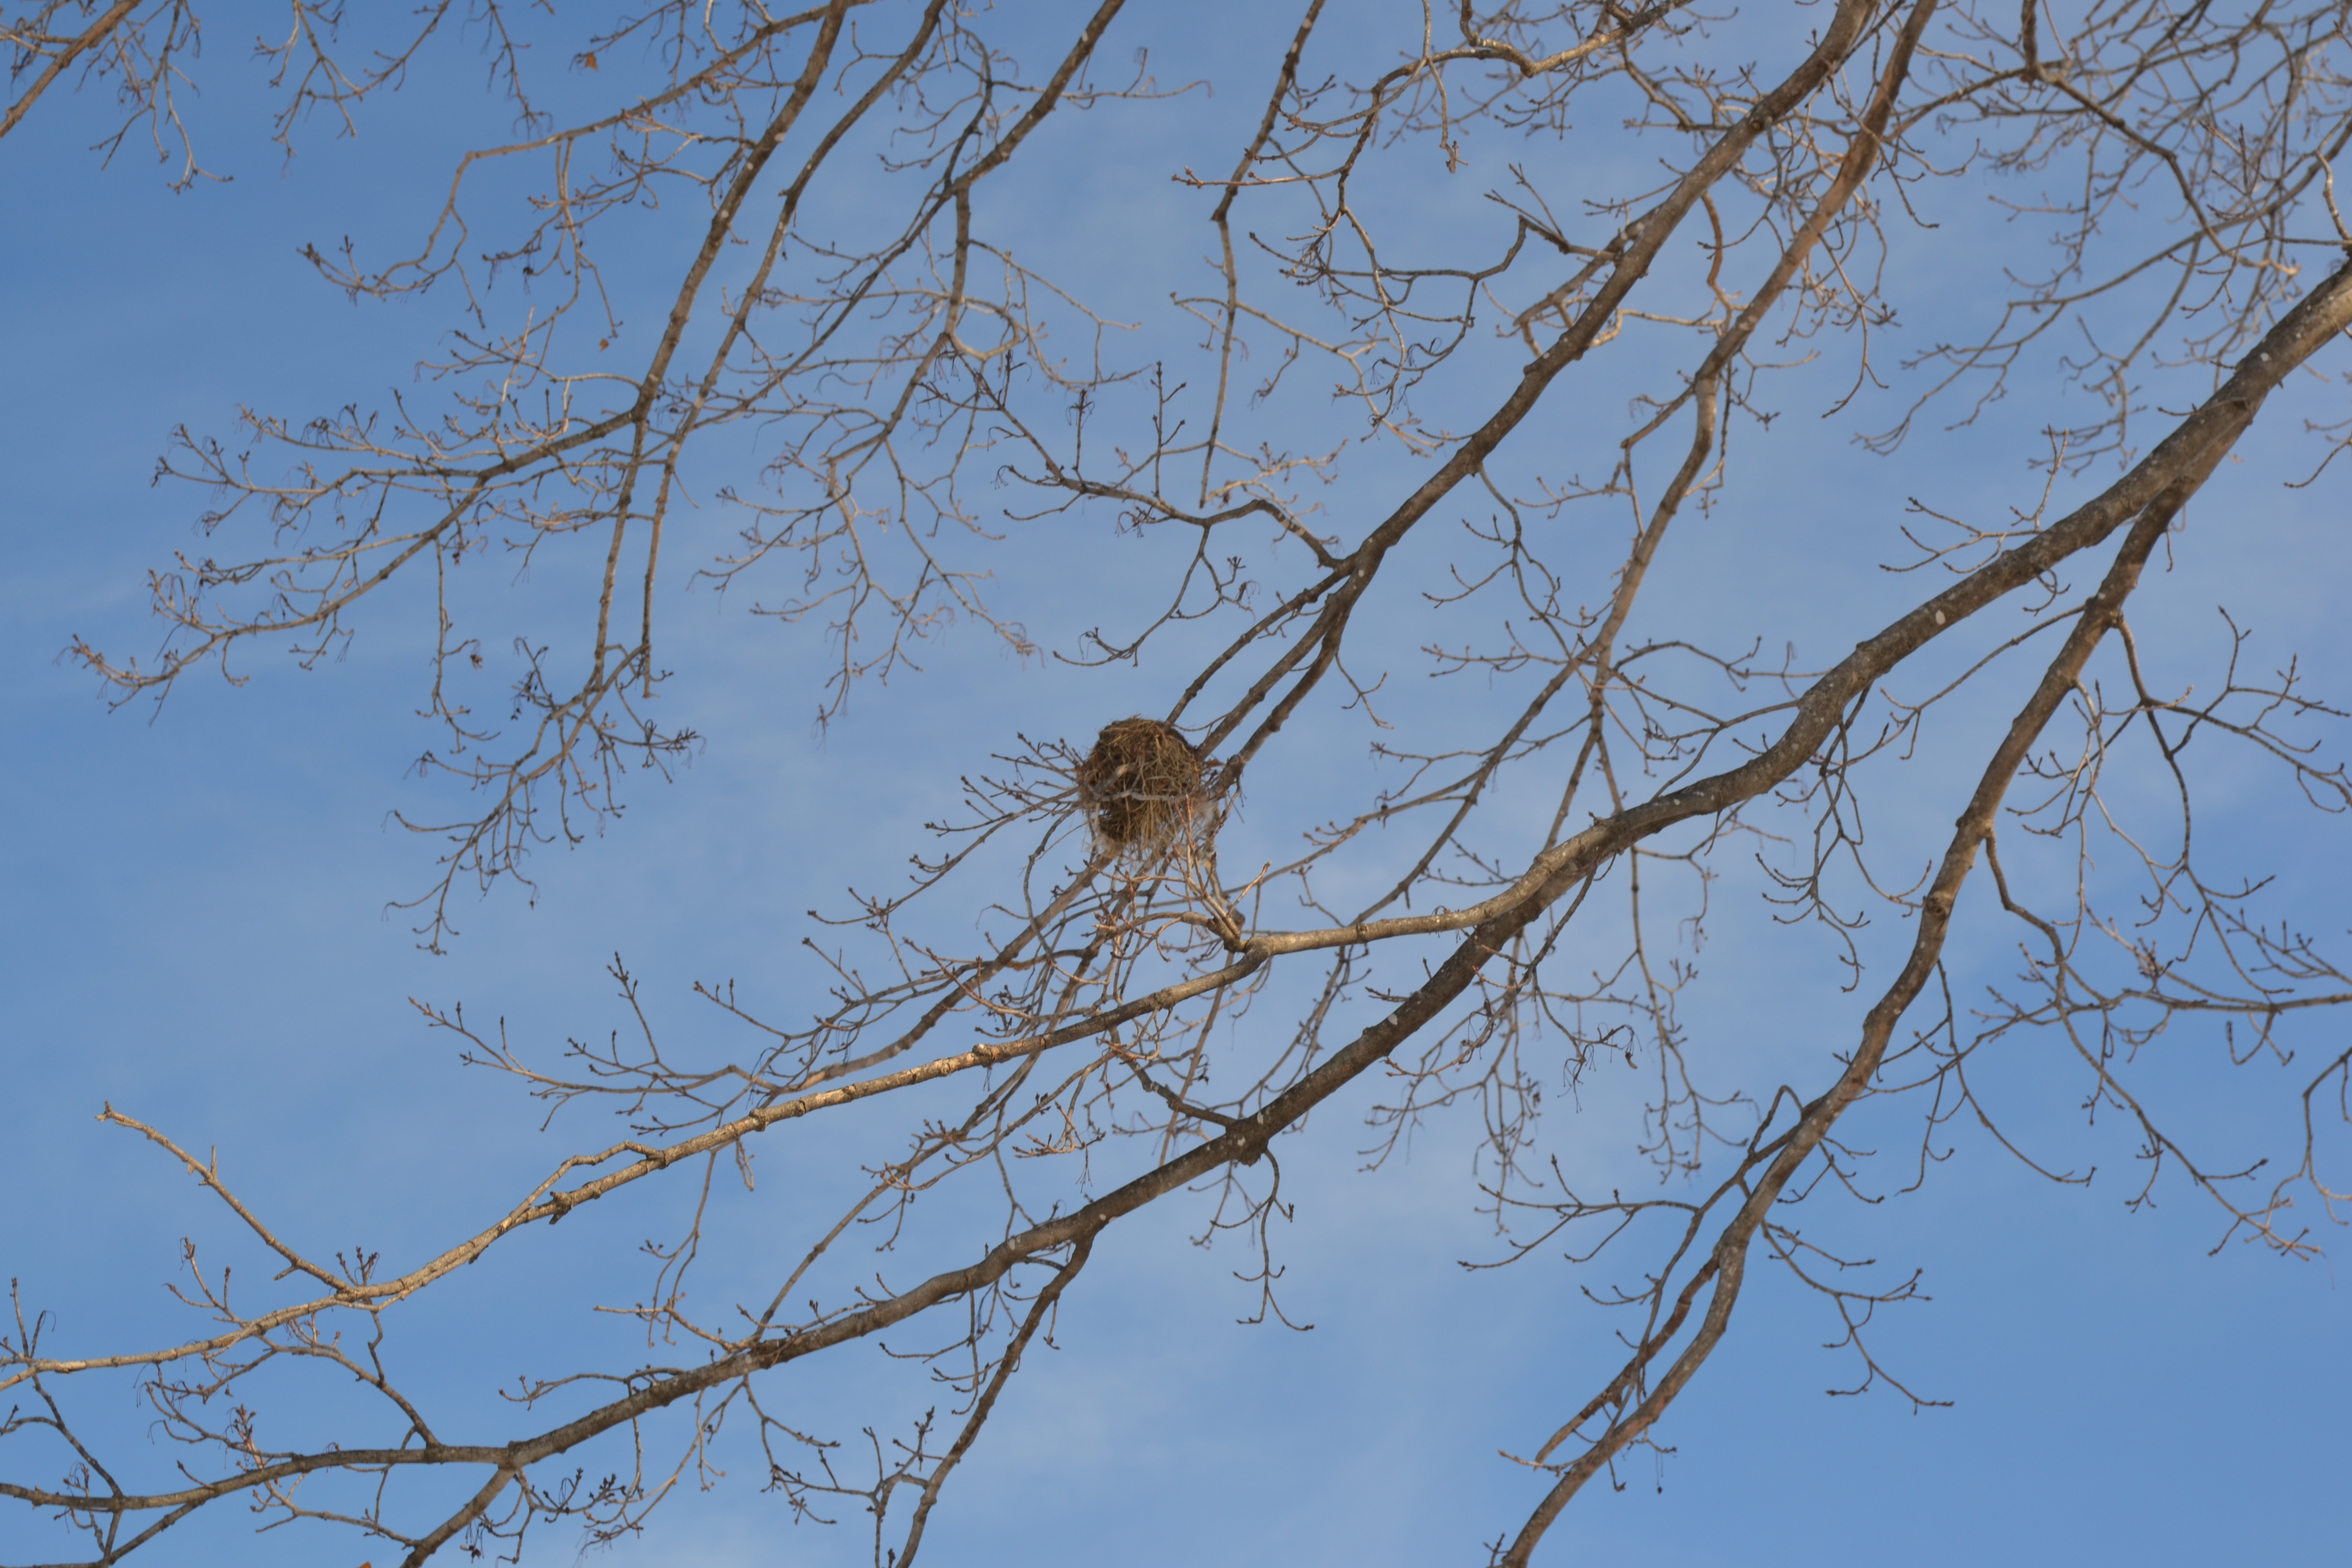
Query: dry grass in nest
{"points": [[1140, 783]]}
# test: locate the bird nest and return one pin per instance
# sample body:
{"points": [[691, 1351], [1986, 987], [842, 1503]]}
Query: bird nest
{"points": [[1140, 786]]}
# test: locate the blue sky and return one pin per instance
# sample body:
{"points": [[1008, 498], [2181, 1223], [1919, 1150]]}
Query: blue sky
{"points": [[199, 935]]}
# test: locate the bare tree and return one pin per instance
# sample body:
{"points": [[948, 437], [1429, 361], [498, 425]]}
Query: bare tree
{"points": [[1688, 207]]}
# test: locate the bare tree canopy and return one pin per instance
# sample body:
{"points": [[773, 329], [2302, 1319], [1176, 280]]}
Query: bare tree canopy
{"points": [[1377, 437]]}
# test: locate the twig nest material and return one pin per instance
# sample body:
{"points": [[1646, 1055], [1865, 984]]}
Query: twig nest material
{"points": [[1140, 783]]}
